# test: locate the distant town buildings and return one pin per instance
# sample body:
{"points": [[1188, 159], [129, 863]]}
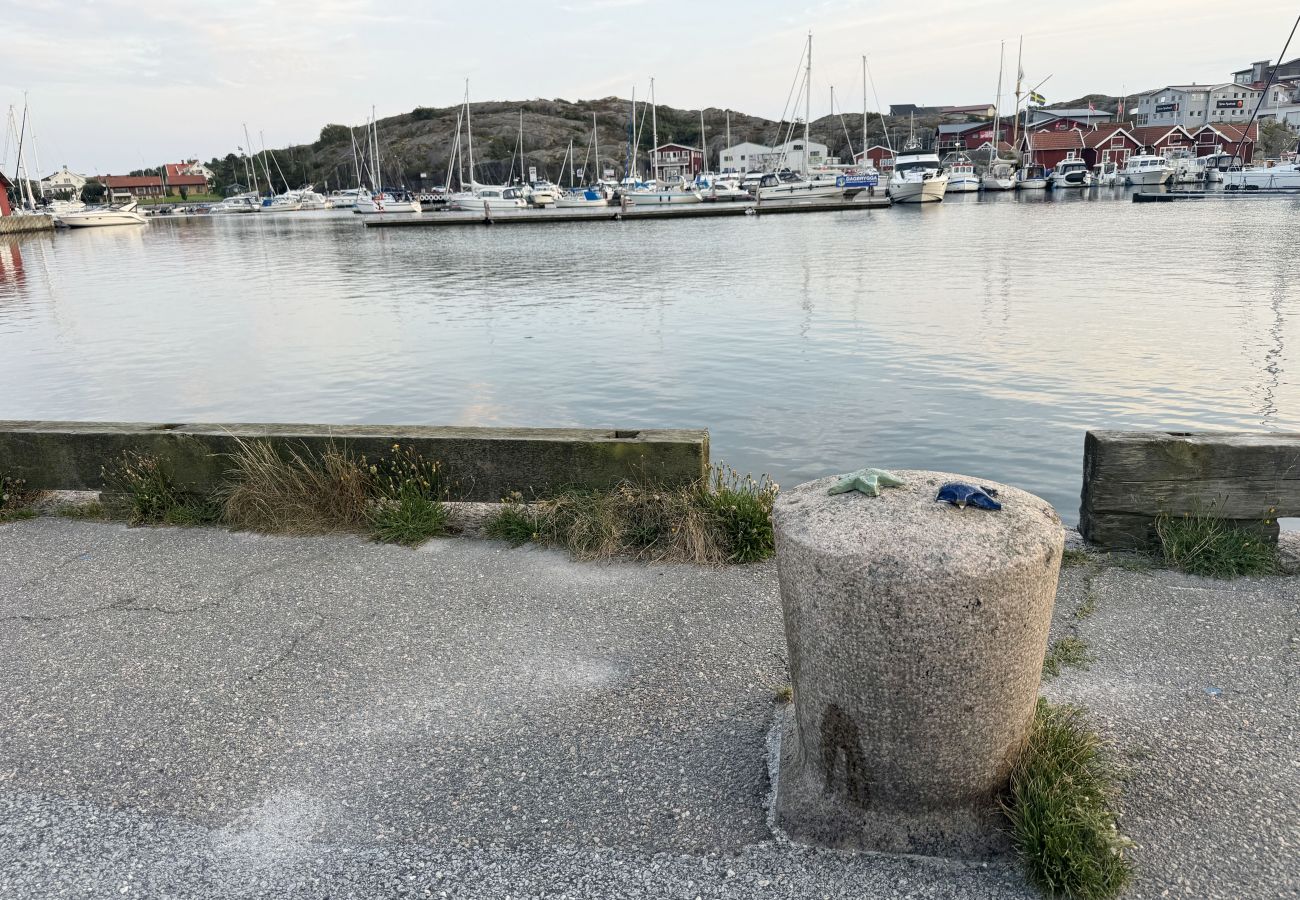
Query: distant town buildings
{"points": [[751, 157], [64, 184]]}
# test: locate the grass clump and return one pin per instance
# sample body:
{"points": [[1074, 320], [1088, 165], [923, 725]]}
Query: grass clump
{"points": [[723, 518], [1066, 651], [142, 490], [94, 510], [14, 497], [1060, 809], [1071, 559], [408, 508], [296, 493], [1214, 548], [784, 693]]}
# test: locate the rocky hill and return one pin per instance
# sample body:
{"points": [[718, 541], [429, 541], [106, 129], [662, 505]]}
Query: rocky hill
{"points": [[420, 142]]}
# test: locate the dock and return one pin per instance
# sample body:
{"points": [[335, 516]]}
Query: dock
{"points": [[631, 213], [1173, 196]]}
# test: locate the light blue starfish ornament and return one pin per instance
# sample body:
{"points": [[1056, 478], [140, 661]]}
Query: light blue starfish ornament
{"points": [[867, 481]]}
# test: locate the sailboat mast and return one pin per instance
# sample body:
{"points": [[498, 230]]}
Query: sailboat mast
{"points": [[654, 136], [997, 105], [728, 133], [704, 147], [1020, 74], [864, 109], [469, 134], [595, 140], [807, 105]]}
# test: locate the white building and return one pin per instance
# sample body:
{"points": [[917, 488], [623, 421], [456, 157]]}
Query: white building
{"points": [[790, 155], [63, 183], [743, 157], [1194, 105]]}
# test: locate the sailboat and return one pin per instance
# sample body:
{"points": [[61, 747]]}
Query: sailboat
{"points": [[481, 197], [378, 201], [1001, 173], [576, 197], [787, 185], [654, 194]]}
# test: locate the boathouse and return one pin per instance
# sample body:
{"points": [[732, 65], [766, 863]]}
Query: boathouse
{"points": [[5, 185], [876, 155], [677, 162], [1164, 140], [1051, 148], [1111, 142], [967, 136], [1224, 137]]}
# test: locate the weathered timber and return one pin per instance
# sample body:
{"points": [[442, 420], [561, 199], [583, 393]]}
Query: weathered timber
{"points": [[483, 464], [1131, 478]]}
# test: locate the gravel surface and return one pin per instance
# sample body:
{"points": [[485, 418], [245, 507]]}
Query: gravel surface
{"points": [[196, 713]]}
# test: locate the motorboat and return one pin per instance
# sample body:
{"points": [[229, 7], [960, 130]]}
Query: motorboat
{"points": [[715, 187], [486, 197], [961, 176], [58, 207], [345, 199], [581, 199], [1188, 169], [1216, 164], [102, 216], [1070, 173], [999, 176], [1283, 177], [788, 186], [918, 176], [540, 193], [1106, 173], [1147, 171], [386, 202], [1032, 177], [240, 204]]}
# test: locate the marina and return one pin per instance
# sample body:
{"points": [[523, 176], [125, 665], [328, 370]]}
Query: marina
{"points": [[935, 332]]}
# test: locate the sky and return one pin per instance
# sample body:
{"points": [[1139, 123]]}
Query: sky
{"points": [[115, 85]]}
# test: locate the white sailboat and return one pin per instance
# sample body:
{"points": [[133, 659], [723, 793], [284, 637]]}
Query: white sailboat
{"points": [[1000, 175], [377, 201], [480, 197], [655, 193], [1032, 177], [788, 186]]}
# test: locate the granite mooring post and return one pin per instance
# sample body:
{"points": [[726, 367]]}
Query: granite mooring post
{"points": [[917, 633]]}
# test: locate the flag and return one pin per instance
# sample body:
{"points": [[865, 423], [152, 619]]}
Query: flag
{"points": [[1035, 97]]}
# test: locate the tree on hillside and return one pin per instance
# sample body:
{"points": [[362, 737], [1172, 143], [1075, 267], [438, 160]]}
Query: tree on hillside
{"points": [[1275, 138]]}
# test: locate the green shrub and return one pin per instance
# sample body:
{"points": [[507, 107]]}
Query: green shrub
{"points": [[514, 523], [1059, 807], [408, 508], [141, 490], [1215, 548], [743, 509]]}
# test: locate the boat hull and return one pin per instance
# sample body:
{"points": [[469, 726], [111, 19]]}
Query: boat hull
{"points": [[367, 207], [1032, 184], [963, 184], [1151, 178], [101, 219], [800, 191], [658, 198], [994, 183], [931, 190], [1276, 178]]}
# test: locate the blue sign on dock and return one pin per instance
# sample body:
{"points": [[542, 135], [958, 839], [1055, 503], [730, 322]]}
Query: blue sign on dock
{"points": [[860, 181]]}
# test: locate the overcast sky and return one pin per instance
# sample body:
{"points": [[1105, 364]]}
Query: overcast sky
{"points": [[121, 84]]}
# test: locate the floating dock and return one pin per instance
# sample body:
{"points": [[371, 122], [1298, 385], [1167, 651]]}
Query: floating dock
{"points": [[621, 214], [1172, 196]]}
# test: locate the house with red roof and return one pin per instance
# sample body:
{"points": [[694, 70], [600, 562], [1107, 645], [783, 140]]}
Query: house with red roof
{"points": [[876, 155], [126, 187], [1051, 148], [1108, 143], [1222, 137], [1164, 140]]}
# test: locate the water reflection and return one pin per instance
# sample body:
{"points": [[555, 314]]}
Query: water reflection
{"points": [[982, 335]]}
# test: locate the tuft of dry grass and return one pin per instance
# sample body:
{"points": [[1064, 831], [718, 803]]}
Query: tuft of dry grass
{"points": [[725, 518], [296, 493]]}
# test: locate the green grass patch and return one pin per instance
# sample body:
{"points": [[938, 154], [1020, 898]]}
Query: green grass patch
{"points": [[723, 518], [94, 510], [784, 694], [13, 515], [1066, 651], [142, 490], [1087, 606], [1071, 559], [1060, 807], [1214, 548]]}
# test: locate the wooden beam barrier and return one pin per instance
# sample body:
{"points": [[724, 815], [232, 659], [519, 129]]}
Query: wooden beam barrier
{"points": [[1131, 478], [484, 464]]}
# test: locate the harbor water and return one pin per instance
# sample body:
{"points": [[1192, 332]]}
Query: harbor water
{"points": [[983, 335]]}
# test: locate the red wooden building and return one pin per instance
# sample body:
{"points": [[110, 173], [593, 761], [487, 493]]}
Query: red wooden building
{"points": [[673, 162], [1050, 148], [4, 195], [877, 155], [1164, 140], [121, 186], [1111, 142], [1227, 138]]}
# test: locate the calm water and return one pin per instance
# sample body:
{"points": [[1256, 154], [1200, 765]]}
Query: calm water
{"points": [[980, 336]]}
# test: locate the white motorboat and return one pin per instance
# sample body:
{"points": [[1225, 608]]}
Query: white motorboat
{"points": [[385, 203], [999, 176], [1188, 169], [58, 208], [917, 177], [344, 199], [1215, 165], [1070, 173], [961, 176], [240, 204], [102, 216], [540, 193], [1032, 177], [1147, 171], [484, 197], [715, 188], [1283, 177], [1106, 173], [581, 199]]}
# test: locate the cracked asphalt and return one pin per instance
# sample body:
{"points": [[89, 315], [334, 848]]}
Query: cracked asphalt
{"points": [[198, 713]]}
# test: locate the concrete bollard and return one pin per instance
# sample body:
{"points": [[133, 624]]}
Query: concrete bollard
{"points": [[917, 633]]}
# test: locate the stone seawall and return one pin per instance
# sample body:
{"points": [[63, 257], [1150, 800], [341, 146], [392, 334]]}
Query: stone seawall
{"points": [[483, 464], [25, 224]]}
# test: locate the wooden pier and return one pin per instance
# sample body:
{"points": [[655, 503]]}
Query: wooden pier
{"points": [[620, 214], [1173, 196]]}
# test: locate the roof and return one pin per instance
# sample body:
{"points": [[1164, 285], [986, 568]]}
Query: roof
{"points": [[1072, 113], [1150, 135], [1232, 132], [1055, 140], [1095, 137], [4, 181], [140, 181], [963, 127], [677, 147]]}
